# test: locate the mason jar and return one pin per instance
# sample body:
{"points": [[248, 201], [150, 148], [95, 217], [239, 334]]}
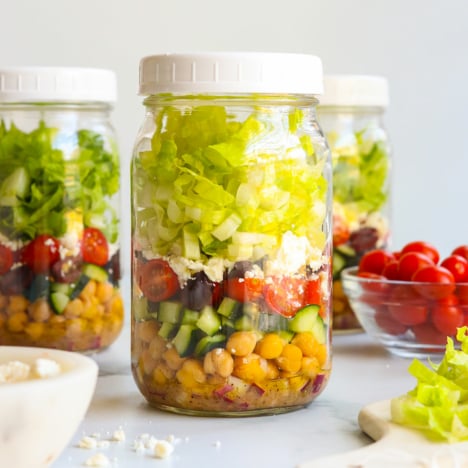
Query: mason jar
{"points": [[351, 113], [59, 209], [231, 240]]}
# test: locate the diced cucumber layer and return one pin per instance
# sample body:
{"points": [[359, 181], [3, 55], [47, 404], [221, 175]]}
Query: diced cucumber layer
{"points": [[169, 312], [95, 272], [209, 321], [184, 340], [309, 320], [167, 330], [59, 301]]}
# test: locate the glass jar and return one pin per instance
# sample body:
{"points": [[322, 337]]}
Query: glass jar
{"points": [[59, 209], [231, 209], [351, 115]]}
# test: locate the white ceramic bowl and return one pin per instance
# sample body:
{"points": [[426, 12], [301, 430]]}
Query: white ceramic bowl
{"points": [[39, 417]]}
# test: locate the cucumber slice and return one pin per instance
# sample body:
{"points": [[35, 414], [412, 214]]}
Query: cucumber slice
{"points": [[346, 250], [243, 323], [79, 286], [39, 287], [169, 312], [207, 343], [190, 317], [167, 330], [64, 288], [228, 307], [95, 272], [209, 321], [339, 262], [59, 301], [140, 309], [309, 320], [286, 335], [184, 341]]}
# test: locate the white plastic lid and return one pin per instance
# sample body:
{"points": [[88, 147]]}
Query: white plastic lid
{"points": [[57, 84], [355, 90], [231, 72]]}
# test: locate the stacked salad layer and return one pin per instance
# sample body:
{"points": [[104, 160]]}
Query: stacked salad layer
{"points": [[361, 168], [58, 237], [230, 236]]}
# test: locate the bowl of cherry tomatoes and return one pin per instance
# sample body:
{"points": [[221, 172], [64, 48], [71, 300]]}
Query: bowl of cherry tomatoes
{"points": [[411, 300]]}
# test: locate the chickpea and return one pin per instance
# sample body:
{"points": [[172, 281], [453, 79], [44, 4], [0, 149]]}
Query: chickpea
{"points": [[146, 331], [34, 330], [290, 359], [162, 374], [157, 346], [17, 321], [310, 366], [172, 358], [191, 373], [306, 342], [89, 291], [104, 292], [270, 346], [147, 363], [40, 311], [74, 308], [3, 301], [241, 343], [218, 361], [251, 368], [17, 304]]}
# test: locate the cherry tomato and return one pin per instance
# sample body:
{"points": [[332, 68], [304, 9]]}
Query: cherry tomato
{"points": [[94, 247], [461, 250], [6, 259], [440, 282], [391, 270], [245, 289], [313, 292], [406, 307], [41, 253], [462, 294], [426, 333], [375, 261], [409, 263], [388, 324], [458, 266], [157, 280], [424, 248], [447, 318], [376, 284], [285, 296]]}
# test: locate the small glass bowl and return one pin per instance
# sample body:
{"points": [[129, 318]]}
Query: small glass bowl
{"points": [[410, 319]]}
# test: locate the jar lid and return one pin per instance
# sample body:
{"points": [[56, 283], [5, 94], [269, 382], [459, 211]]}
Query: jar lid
{"points": [[355, 90], [231, 72], [57, 84]]}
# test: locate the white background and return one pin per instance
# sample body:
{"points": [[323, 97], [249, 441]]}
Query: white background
{"points": [[421, 46]]}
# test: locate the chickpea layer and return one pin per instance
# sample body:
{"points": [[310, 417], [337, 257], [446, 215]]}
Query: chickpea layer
{"points": [[252, 371], [91, 321]]}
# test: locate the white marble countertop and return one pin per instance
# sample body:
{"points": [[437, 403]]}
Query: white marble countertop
{"points": [[362, 373]]}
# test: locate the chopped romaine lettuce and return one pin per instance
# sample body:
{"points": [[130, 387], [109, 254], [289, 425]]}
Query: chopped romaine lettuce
{"points": [[45, 174], [438, 405]]}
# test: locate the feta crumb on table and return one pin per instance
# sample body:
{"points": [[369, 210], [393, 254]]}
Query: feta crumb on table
{"points": [[97, 460]]}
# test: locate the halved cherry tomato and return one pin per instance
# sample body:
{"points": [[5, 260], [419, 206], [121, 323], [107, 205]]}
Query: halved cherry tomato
{"points": [[94, 247], [458, 266], [313, 292], [245, 289], [285, 296], [410, 262], [375, 261], [41, 253], [439, 282], [422, 247], [6, 259], [157, 280]]}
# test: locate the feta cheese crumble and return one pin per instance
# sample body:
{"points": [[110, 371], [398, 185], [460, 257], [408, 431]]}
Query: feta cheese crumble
{"points": [[18, 371], [97, 460], [163, 449]]}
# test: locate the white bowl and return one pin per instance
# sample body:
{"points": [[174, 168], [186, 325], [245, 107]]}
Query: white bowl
{"points": [[39, 417]]}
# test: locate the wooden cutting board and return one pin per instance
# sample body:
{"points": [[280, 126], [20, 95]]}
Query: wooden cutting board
{"points": [[396, 446]]}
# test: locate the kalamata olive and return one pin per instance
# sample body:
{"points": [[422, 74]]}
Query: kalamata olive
{"points": [[240, 269], [67, 270], [113, 267], [364, 239], [197, 293], [16, 281]]}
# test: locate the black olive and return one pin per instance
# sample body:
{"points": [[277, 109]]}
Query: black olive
{"points": [[67, 270], [197, 292]]}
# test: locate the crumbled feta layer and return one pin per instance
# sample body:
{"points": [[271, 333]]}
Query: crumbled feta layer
{"points": [[17, 371]]}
